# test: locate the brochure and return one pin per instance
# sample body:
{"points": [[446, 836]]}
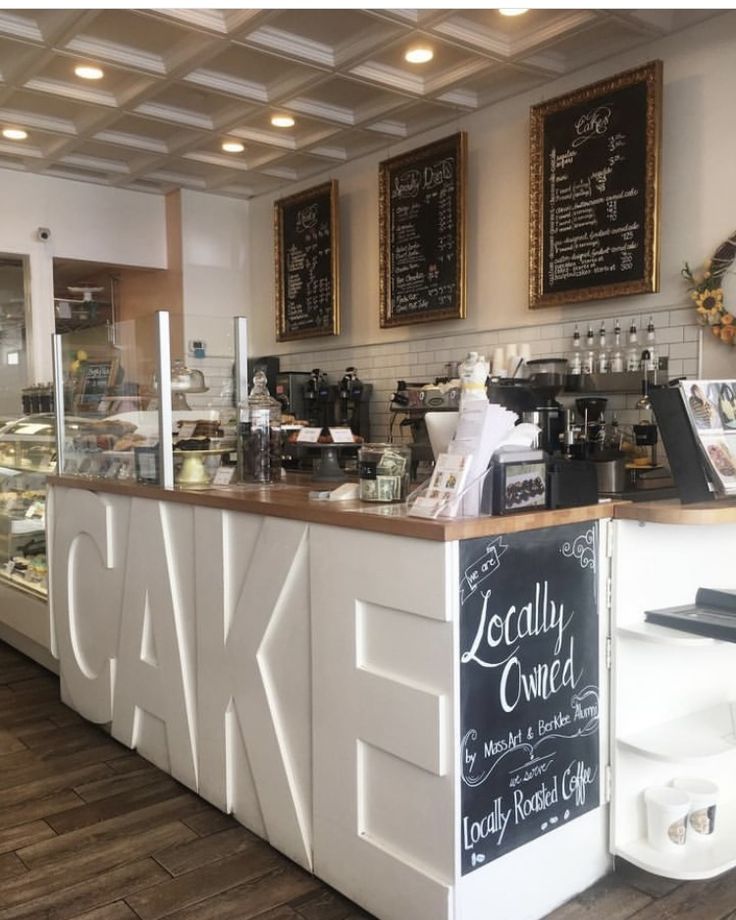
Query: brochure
{"points": [[442, 497], [711, 409]]}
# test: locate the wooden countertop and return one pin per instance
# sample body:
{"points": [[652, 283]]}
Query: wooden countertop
{"points": [[290, 499], [671, 511]]}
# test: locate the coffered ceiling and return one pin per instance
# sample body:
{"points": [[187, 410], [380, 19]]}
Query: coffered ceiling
{"points": [[177, 83]]}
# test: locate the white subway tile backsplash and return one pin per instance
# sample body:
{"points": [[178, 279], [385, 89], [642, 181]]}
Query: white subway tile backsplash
{"points": [[690, 367], [670, 334], [684, 317], [682, 350]]}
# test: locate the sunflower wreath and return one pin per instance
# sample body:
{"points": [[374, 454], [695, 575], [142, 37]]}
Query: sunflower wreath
{"points": [[706, 289]]}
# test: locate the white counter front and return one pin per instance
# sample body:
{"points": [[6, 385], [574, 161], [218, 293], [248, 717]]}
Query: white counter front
{"points": [[308, 678]]}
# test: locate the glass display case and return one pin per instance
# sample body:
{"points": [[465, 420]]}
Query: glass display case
{"points": [[114, 409], [27, 456]]}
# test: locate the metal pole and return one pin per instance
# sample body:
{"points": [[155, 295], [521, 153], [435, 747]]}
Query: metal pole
{"points": [[241, 360], [57, 354], [165, 417]]}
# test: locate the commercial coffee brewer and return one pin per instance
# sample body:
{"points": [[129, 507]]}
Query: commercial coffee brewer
{"points": [[319, 400], [353, 403]]}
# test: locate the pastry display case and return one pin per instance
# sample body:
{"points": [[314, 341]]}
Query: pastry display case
{"points": [[27, 456]]}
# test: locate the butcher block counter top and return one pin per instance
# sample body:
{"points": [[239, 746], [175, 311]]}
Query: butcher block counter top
{"points": [[290, 499], [674, 512]]}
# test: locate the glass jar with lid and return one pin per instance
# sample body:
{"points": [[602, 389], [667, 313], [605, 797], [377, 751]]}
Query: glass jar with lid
{"points": [[259, 434]]}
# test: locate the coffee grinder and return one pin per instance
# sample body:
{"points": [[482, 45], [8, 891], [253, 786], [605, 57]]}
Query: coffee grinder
{"points": [[545, 381]]}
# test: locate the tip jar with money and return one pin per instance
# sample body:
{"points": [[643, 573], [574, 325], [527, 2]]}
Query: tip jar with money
{"points": [[384, 472]]}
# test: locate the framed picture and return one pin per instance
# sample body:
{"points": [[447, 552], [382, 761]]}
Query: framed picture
{"points": [[594, 190], [306, 252], [95, 382], [422, 233]]}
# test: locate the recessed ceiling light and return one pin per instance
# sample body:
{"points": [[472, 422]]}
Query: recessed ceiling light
{"points": [[233, 147], [513, 11], [87, 72], [419, 55], [282, 121], [15, 134]]}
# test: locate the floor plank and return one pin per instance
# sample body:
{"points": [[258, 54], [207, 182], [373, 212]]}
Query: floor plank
{"points": [[88, 863], [13, 838], [251, 899], [203, 850], [204, 882], [92, 893], [91, 831], [117, 911]]}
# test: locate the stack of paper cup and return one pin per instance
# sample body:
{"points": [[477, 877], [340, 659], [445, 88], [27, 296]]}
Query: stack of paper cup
{"points": [[667, 812], [703, 795], [499, 361]]}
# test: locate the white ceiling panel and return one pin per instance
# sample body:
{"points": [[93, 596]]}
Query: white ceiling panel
{"points": [[179, 82]]}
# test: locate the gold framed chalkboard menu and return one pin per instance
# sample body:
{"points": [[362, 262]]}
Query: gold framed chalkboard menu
{"points": [[306, 243], [422, 233], [594, 190]]}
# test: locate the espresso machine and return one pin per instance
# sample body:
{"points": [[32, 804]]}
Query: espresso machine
{"points": [[353, 403]]}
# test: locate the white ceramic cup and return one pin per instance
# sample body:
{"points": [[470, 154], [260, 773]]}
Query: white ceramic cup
{"points": [[667, 811], [703, 795]]}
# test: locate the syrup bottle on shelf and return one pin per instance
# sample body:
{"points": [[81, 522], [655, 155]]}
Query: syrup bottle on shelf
{"points": [[618, 359], [589, 352], [603, 357], [633, 356], [575, 358], [652, 361]]}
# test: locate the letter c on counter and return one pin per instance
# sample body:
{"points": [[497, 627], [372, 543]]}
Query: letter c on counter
{"points": [[79, 515]]}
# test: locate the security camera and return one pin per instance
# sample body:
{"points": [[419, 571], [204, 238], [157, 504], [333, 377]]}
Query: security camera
{"points": [[44, 234]]}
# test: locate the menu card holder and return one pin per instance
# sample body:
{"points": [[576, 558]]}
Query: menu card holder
{"points": [[683, 451]]}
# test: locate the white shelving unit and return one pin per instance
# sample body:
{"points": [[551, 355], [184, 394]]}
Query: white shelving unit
{"points": [[674, 694]]}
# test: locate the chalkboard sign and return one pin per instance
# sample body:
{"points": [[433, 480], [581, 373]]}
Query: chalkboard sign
{"points": [[95, 381], [422, 234], [529, 687], [594, 190], [307, 264]]}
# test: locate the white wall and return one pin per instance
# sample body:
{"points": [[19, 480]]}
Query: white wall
{"points": [[698, 195], [87, 222], [216, 263]]}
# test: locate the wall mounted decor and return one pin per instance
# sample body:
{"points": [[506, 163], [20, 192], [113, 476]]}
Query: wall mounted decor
{"points": [[594, 190], [306, 251], [422, 233]]}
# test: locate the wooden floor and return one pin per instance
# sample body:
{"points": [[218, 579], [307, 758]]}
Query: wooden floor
{"points": [[90, 831]]}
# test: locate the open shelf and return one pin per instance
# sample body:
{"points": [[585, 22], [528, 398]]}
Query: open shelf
{"points": [[652, 632], [689, 739], [700, 857]]}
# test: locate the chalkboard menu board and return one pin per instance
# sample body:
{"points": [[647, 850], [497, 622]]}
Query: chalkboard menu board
{"points": [[422, 238], [307, 264], [594, 190], [529, 687]]}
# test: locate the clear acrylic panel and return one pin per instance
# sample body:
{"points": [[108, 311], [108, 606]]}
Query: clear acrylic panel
{"points": [[204, 424], [111, 428]]}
